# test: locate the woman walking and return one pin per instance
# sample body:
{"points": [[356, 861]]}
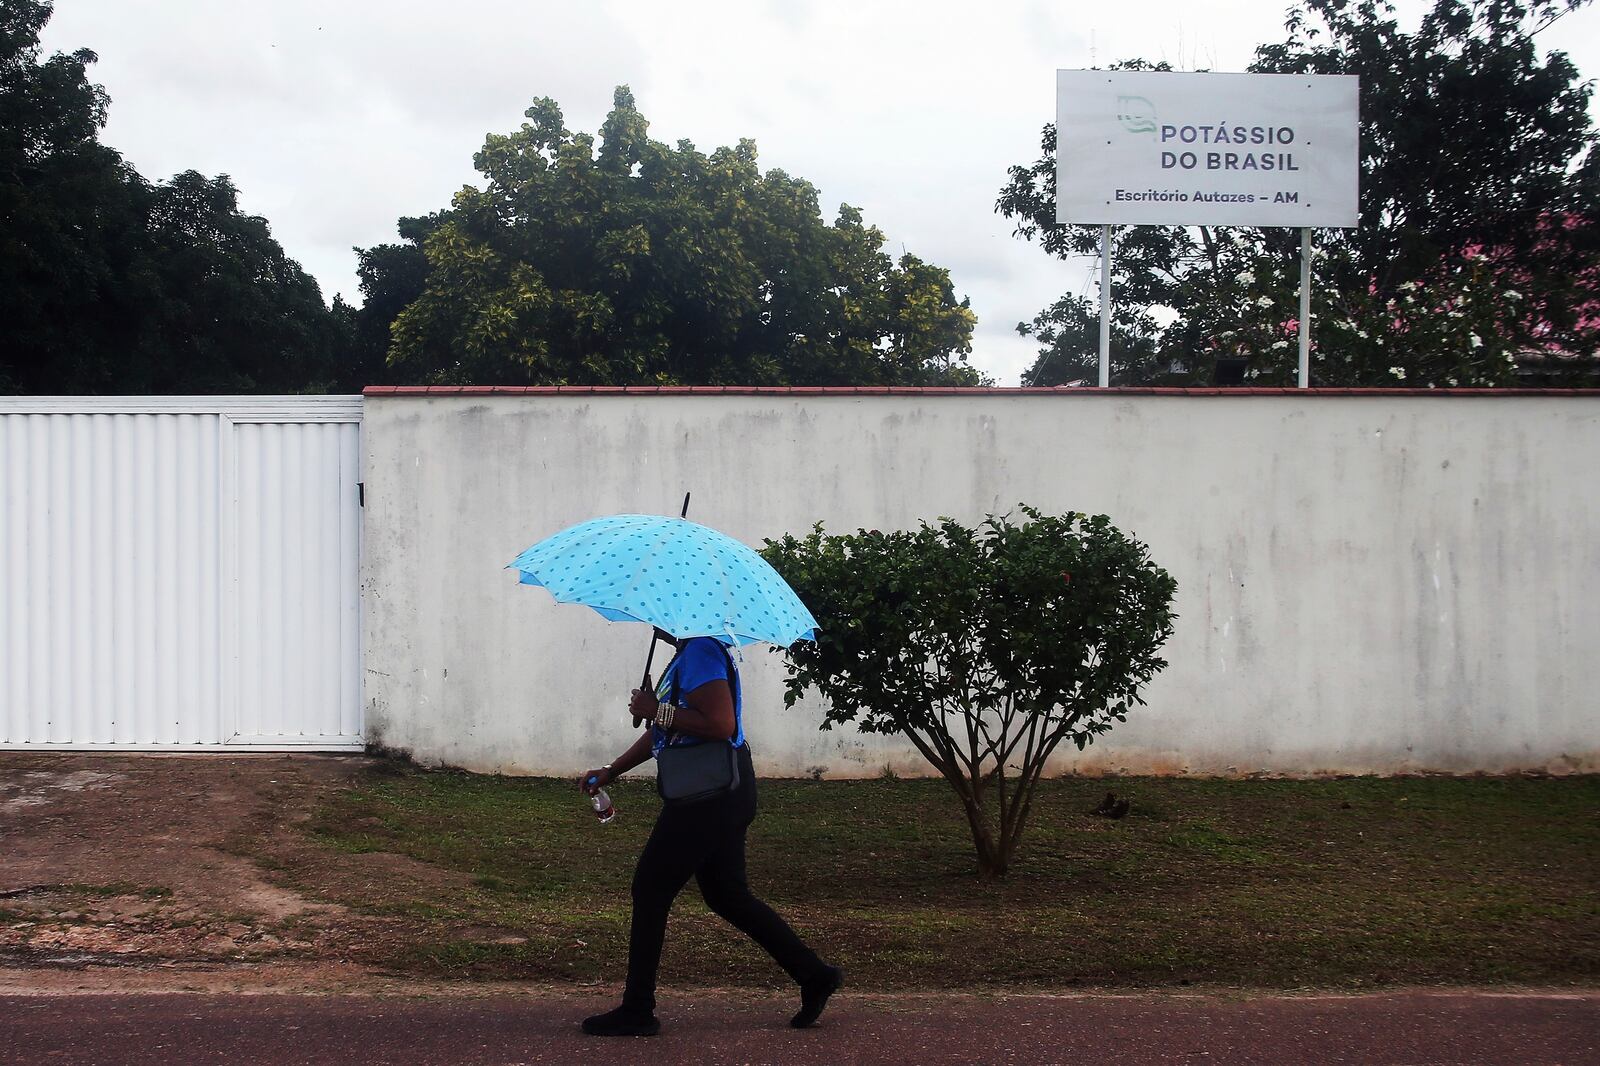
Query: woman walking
{"points": [[698, 702]]}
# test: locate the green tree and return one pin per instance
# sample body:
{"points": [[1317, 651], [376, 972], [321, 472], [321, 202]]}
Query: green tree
{"points": [[635, 262], [391, 276], [233, 312], [1474, 258], [986, 648], [111, 284], [69, 208]]}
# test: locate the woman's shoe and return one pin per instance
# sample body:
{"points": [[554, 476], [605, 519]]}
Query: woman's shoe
{"points": [[814, 996], [622, 1022]]}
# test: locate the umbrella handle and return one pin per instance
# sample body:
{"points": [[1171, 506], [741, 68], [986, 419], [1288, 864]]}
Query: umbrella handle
{"points": [[646, 684]]}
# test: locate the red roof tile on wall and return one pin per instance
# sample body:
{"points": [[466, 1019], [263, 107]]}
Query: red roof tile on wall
{"points": [[884, 390]]}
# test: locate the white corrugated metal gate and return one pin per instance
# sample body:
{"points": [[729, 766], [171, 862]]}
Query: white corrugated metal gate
{"points": [[180, 572]]}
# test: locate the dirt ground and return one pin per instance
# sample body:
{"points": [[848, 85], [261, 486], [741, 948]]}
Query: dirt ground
{"points": [[157, 871]]}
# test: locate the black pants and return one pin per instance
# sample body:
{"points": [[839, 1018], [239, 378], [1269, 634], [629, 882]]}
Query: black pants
{"points": [[706, 841]]}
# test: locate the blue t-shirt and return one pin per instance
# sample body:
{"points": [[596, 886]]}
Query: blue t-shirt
{"points": [[699, 660]]}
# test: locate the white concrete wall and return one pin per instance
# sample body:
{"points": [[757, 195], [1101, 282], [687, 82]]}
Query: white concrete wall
{"points": [[1365, 584]]}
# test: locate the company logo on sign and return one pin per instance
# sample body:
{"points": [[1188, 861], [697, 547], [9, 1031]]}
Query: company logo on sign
{"points": [[1136, 114]]}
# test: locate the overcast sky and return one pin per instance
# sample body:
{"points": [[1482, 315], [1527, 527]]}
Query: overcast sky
{"points": [[336, 118]]}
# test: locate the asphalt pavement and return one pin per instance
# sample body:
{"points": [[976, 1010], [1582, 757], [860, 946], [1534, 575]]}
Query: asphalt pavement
{"points": [[1432, 1028]]}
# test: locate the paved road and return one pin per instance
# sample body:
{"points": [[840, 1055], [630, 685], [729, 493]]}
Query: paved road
{"points": [[1435, 1029]]}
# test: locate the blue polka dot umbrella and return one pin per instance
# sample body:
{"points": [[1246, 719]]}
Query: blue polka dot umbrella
{"points": [[680, 577]]}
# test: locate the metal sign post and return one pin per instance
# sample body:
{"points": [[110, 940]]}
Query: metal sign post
{"points": [[1305, 307], [1105, 306]]}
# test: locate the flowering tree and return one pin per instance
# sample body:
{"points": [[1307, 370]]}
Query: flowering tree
{"points": [[1480, 317], [1475, 259]]}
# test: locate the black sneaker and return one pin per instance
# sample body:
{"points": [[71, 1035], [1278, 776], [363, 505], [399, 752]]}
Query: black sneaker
{"points": [[814, 996], [622, 1022]]}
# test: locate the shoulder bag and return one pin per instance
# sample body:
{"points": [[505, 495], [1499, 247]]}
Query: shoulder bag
{"points": [[689, 773]]}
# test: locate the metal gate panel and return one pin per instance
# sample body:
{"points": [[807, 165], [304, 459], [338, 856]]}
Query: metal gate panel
{"points": [[121, 610], [297, 607], [108, 551]]}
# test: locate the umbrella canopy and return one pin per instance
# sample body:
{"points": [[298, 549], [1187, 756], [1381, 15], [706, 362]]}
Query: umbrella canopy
{"points": [[681, 577]]}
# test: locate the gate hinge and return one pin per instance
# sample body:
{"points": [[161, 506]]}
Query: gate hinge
{"points": [[361, 493]]}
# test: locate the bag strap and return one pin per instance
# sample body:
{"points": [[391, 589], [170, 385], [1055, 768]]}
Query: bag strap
{"points": [[733, 683], [733, 673]]}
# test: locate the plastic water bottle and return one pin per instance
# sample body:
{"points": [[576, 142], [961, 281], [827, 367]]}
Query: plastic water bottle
{"points": [[603, 809]]}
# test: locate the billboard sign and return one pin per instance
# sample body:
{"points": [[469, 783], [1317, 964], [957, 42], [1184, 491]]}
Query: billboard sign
{"points": [[1161, 148]]}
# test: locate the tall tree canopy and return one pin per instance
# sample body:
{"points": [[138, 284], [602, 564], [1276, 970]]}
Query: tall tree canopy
{"points": [[635, 262], [1475, 261], [109, 283]]}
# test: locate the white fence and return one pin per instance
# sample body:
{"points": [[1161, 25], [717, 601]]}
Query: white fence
{"points": [[179, 572], [1372, 583]]}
